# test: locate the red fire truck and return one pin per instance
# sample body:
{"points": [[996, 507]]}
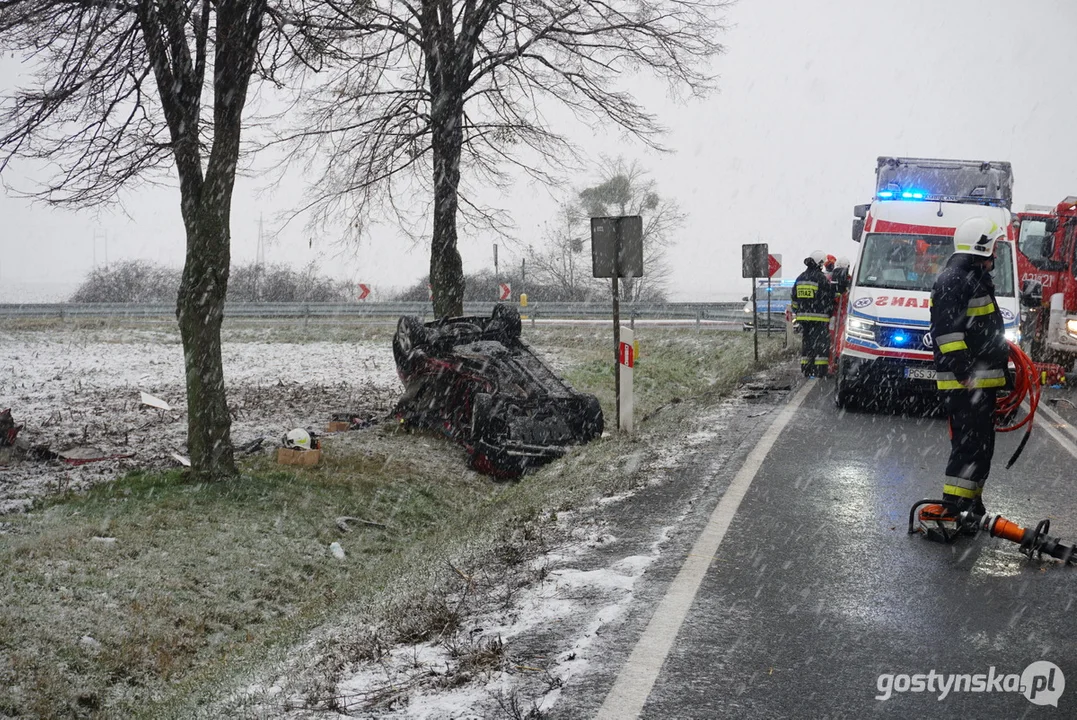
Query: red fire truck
{"points": [[1046, 254]]}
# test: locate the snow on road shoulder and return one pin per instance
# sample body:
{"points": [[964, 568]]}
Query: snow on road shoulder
{"points": [[81, 388], [549, 633]]}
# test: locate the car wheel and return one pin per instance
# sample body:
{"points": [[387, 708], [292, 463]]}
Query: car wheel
{"points": [[482, 405], [410, 337], [505, 322], [589, 422], [844, 397]]}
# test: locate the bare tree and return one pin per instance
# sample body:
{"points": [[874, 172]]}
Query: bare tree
{"points": [[627, 190], [121, 92], [623, 189], [561, 263], [440, 91]]}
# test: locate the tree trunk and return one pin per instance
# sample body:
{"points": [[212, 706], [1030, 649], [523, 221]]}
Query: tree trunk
{"points": [[200, 310], [446, 266]]}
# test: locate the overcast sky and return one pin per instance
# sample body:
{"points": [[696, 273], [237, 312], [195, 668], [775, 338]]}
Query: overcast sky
{"points": [[811, 93]]}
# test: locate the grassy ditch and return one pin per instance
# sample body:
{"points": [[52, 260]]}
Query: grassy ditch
{"points": [[151, 596]]}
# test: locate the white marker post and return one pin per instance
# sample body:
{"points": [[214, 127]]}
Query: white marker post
{"points": [[626, 360]]}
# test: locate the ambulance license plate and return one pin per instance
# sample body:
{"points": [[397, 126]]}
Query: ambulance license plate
{"points": [[917, 373]]}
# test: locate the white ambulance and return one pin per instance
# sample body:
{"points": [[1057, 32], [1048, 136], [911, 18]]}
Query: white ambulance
{"points": [[883, 346]]}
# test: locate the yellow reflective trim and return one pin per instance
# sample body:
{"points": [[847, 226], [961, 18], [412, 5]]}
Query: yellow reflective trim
{"points": [[984, 310], [953, 346], [822, 362], [805, 291], [962, 492], [964, 247], [976, 384]]}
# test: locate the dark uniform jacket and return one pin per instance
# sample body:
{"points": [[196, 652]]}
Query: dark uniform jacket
{"points": [[967, 327], [813, 296]]}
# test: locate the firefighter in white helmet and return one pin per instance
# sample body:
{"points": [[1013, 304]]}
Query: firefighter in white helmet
{"points": [[840, 276], [971, 354], [813, 303]]}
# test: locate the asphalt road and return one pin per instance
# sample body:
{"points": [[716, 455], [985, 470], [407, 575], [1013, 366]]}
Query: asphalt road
{"points": [[818, 603]]}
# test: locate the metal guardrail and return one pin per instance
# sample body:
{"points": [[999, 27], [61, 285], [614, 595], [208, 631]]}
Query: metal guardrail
{"points": [[711, 312]]}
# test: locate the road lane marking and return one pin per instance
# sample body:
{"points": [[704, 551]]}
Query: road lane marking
{"points": [[633, 684], [1060, 422], [1054, 432]]}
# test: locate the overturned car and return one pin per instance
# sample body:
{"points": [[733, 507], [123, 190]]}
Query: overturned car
{"points": [[475, 380]]}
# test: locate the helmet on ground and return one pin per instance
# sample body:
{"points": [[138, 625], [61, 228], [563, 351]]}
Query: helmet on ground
{"points": [[298, 439], [977, 236], [842, 262], [816, 258]]}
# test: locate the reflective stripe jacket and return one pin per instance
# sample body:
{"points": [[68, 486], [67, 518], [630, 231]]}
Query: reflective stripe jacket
{"points": [[966, 326], [813, 296]]}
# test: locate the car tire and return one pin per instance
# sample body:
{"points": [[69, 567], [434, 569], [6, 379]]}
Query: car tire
{"points": [[505, 323], [482, 406], [589, 420], [408, 342]]}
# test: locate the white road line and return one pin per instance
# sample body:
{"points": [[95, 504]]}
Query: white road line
{"points": [[1060, 422], [1054, 432], [634, 683]]}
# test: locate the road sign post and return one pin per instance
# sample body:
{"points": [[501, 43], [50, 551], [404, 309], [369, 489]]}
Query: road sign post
{"points": [[617, 252], [755, 263], [626, 363], [364, 291]]}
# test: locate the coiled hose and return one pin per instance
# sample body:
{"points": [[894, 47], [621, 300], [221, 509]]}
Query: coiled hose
{"points": [[1026, 386]]}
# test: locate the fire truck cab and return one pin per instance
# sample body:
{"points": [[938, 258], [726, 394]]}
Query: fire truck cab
{"points": [[883, 344], [1046, 254]]}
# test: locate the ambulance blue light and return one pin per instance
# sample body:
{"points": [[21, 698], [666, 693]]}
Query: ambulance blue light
{"points": [[899, 339], [904, 194]]}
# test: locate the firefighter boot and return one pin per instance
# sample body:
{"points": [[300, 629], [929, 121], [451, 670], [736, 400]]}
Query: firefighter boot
{"points": [[969, 512]]}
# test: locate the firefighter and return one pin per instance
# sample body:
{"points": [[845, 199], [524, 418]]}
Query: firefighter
{"points": [[840, 276], [813, 303], [971, 355]]}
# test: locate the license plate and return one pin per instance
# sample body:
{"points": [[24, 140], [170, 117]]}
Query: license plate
{"points": [[915, 373]]}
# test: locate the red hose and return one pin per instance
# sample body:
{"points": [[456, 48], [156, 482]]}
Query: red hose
{"points": [[1026, 385]]}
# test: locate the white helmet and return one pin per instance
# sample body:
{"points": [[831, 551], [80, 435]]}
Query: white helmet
{"points": [[818, 257], [977, 236], [842, 262], [298, 439]]}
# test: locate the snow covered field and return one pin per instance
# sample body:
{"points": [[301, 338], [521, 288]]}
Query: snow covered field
{"points": [[82, 387]]}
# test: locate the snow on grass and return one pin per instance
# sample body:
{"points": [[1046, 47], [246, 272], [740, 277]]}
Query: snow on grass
{"points": [[81, 387]]}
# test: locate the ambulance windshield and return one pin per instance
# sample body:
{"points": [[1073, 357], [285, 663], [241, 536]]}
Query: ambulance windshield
{"points": [[912, 262]]}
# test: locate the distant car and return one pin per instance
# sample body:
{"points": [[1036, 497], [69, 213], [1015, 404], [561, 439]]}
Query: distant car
{"points": [[780, 298], [474, 379]]}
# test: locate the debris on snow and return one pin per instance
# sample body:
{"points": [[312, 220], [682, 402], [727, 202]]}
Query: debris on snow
{"points": [[81, 388], [153, 401]]}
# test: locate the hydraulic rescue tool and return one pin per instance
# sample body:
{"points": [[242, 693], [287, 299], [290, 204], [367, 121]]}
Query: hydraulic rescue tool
{"points": [[939, 522]]}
